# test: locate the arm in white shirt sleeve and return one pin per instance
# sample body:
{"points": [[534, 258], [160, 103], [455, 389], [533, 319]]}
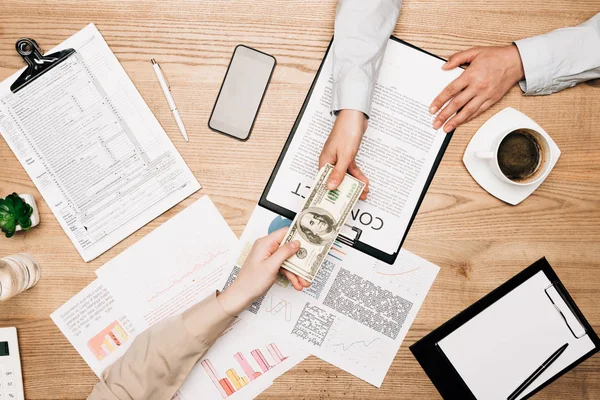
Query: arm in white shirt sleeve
{"points": [[362, 29], [561, 59]]}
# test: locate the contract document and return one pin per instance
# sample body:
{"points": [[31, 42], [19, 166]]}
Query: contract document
{"points": [[399, 153], [92, 146]]}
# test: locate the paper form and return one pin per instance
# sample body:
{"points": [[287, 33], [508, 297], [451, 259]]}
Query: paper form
{"points": [[397, 151], [356, 312], [92, 146], [500, 347]]}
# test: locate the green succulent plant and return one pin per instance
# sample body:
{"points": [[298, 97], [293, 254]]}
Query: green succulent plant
{"points": [[14, 211]]}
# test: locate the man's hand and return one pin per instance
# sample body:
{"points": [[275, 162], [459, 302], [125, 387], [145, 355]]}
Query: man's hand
{"points": [[341, 147], [492, 71], [259, 272]]}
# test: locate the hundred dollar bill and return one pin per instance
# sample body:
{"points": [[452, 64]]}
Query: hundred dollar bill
{"points": [[319, 221]]}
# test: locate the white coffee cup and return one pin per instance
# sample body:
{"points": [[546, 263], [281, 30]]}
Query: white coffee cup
{"points": [[544, 163]]}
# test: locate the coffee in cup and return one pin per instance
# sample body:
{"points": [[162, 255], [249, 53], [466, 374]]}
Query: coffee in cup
{"points": [[519, 156]]}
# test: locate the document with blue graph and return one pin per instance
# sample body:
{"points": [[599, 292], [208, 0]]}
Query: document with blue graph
{"points": [[357, 310]]}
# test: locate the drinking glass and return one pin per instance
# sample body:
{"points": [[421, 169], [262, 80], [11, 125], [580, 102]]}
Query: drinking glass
{"points": [[18, 273]]}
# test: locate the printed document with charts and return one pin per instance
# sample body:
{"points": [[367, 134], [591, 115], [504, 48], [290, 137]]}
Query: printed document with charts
{"points": [[92, 146], [356, 312], [166, 272]]}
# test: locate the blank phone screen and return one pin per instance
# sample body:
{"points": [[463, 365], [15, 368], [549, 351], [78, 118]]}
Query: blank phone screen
{"points": [[242, 92]]}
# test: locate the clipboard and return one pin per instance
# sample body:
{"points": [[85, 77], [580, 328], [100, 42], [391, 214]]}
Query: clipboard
{"points": [[80, 129], [445, 374], [37, 63], [352, 241]]}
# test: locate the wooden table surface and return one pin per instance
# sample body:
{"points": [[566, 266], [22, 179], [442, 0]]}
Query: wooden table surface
{"points": [[477, 240]]}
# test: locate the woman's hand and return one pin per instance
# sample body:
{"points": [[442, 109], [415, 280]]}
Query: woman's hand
{"points": [[341, 148], [492, 71], [259, 272]]}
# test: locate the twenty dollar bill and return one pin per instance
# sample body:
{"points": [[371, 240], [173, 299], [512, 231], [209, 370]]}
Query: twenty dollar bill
{"points": [[318, 223]]}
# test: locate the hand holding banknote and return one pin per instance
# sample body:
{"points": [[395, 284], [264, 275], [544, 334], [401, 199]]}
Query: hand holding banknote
{"points": [[258, 274], [341, 148], [319, 221]]}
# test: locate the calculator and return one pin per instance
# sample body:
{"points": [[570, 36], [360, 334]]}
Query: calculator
{"points": [[11, 380]]}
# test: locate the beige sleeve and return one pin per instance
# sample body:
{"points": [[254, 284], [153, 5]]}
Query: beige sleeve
{"points": [[159, 359]]}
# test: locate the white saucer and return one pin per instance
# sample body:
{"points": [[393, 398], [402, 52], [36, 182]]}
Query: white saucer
{"points": [[480, 169]]}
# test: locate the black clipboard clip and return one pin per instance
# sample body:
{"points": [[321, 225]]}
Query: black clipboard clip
{"points": [[563, 303], [37, 64], [344, 235]]}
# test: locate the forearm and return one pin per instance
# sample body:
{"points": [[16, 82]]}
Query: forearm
{"points": [[159, 359], [561, 59], [362, 29]]}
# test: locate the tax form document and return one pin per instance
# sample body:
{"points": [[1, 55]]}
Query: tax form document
{"points": [[92, 146]]}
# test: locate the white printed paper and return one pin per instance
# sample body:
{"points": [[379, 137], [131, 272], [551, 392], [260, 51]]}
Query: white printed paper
{"points": [[163, 274], [175, 266], [356, 312], [92, 147], [96, 326], [241, 364]]}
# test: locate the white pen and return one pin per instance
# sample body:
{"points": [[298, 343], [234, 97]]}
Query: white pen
{"points": [[167, 91]]}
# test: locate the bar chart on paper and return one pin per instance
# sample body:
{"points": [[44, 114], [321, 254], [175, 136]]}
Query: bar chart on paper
{"points": [[230, 381], [108, 340], [337, 251]]}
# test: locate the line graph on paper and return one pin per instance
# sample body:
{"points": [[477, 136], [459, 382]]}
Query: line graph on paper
{"points": [[353, 344], [277, 306], [200, 272], [358, 342], [404, 275], [400, 273]]}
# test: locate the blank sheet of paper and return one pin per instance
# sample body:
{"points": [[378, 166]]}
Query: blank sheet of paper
{"points": [[92, 146], [500, 347]]}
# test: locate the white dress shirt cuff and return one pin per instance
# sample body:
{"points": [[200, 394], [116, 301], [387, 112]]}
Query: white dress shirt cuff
{"points": [[536, 56], [352, 94]]}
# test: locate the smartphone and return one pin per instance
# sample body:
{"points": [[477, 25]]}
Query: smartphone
{"points": [[241, 92]]}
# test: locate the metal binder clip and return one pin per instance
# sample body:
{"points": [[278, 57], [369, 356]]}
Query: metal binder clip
{"points": [[345, 235], [37, 64]]}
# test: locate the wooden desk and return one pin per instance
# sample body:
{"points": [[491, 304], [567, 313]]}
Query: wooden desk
{"points": [[477, 240]]}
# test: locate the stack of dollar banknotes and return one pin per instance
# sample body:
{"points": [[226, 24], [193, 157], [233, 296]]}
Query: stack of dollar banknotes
{"points": [[319, 221]]}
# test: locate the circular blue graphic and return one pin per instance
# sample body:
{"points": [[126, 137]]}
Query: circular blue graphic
{"points": [[278, 223]]}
